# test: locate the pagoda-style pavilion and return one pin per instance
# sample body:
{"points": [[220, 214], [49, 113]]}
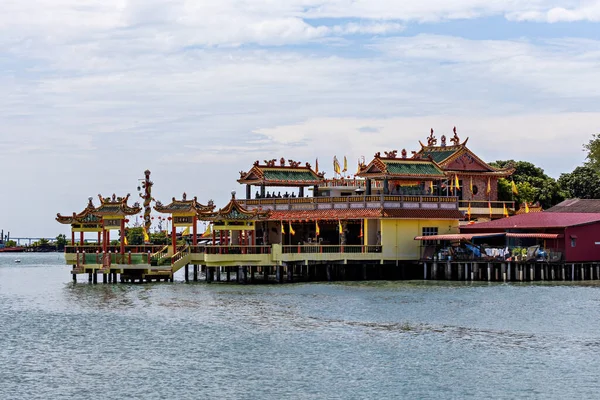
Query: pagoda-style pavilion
{"points": [[477, 180], [271, 174], [114, 212], [109, 215], [184, 213], [402, 175], [83, 222], [235, 218]]}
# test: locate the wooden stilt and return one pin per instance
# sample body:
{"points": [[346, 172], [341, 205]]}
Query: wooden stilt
{"points": [[265, 274], [489, 272], [187, 272], [90, 278], [104, 277], [434, 272], [74, 278], [572, 272], [195, 273], [424, 271], [290, 273], [218, 270], [329, 277], [364, 272], [95, 277], [460, 271], [228, 272]]}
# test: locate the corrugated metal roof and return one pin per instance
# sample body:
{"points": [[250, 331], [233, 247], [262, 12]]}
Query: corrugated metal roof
{"points": [[536, 221], [577, 206], [534, 235]]}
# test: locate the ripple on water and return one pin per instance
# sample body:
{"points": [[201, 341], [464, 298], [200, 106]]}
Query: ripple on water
{"points": [[305, 341]]}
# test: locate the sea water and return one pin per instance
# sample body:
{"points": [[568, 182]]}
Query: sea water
{"points": [[353, 340]]}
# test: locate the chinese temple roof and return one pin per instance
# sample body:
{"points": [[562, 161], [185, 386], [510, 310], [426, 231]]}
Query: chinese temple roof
{"points": [[401, 168], [457, 157], [86, 216], [345, 214], [116, 206], [234, 211], [270, 174], [184, 206]]}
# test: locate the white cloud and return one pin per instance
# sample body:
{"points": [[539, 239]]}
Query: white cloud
{"points": [[196, 91]]}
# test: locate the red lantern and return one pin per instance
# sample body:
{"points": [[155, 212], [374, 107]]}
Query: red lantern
{"points": [[169, 218]]}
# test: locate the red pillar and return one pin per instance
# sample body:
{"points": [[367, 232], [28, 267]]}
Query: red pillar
{"points": [[195, 231], [123, 236], [81, 238], [174, 237], [104, 240], [107, 238], [214, 236], [72, 238], [99, 238]]}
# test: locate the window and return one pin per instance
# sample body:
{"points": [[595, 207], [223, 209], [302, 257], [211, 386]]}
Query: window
{"points": [[429, 231], [573, 241], [475, 189]]}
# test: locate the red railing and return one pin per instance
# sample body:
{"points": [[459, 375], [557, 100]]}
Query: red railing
{"points": [[344, 249], [233, 249]]}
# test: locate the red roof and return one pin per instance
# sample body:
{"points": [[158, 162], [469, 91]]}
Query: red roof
{"points": [[331, 214], [535, 221], [421, 213]]}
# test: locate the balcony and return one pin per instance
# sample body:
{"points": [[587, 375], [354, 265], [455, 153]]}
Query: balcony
{"points": [[482, 208]]}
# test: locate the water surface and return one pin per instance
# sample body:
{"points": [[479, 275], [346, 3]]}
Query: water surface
{"points": [[357, 340]]}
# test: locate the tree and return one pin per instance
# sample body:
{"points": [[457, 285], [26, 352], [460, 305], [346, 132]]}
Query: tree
{"points": [[135, 236], [533, 185], [583, 183], [10, 243], [593, 152], [61, 241]]}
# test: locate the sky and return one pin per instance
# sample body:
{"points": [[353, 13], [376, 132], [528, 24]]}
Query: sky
{"points": [[95, 93]]}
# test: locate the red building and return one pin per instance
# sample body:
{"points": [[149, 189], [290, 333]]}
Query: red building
{"points": [[576, 235]]}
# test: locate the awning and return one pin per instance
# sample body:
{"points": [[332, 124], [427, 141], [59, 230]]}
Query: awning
{"points": [[534, 235], [459, 236]]}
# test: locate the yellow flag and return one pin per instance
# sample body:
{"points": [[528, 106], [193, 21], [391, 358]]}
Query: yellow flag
{"points": [[317, 229], [207, 232], [345, 165], [471, 185], [282, 228], [186, 231], [336, 165], [488, 189], [469, 211], [505, 211], [341, 229], [490, 208], [292, 231], [125, 241], [361, 233], [456, 182], [526, 208], [146, 237], [431, 187], [514, 187]]}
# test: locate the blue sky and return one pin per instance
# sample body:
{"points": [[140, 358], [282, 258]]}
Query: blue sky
{"points": [[197, 90]]}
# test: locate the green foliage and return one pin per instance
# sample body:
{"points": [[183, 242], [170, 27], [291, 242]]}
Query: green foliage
{"points": [[593, 152], [10, 243], [61, 241], [159, 238], [583, 183], [532, 184], [135, 236]]}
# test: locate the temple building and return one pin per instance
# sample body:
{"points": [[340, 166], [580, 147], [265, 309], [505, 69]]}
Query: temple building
{"points": [[369, 220]]}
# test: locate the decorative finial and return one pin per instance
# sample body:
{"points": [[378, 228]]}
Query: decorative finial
{"points": [[443, 144], [431, 140], [403, 153], [232, 194], [184, 195], [455, 140]]}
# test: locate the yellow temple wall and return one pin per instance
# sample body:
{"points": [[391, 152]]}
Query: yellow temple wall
{"points": [[397, 236]]}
